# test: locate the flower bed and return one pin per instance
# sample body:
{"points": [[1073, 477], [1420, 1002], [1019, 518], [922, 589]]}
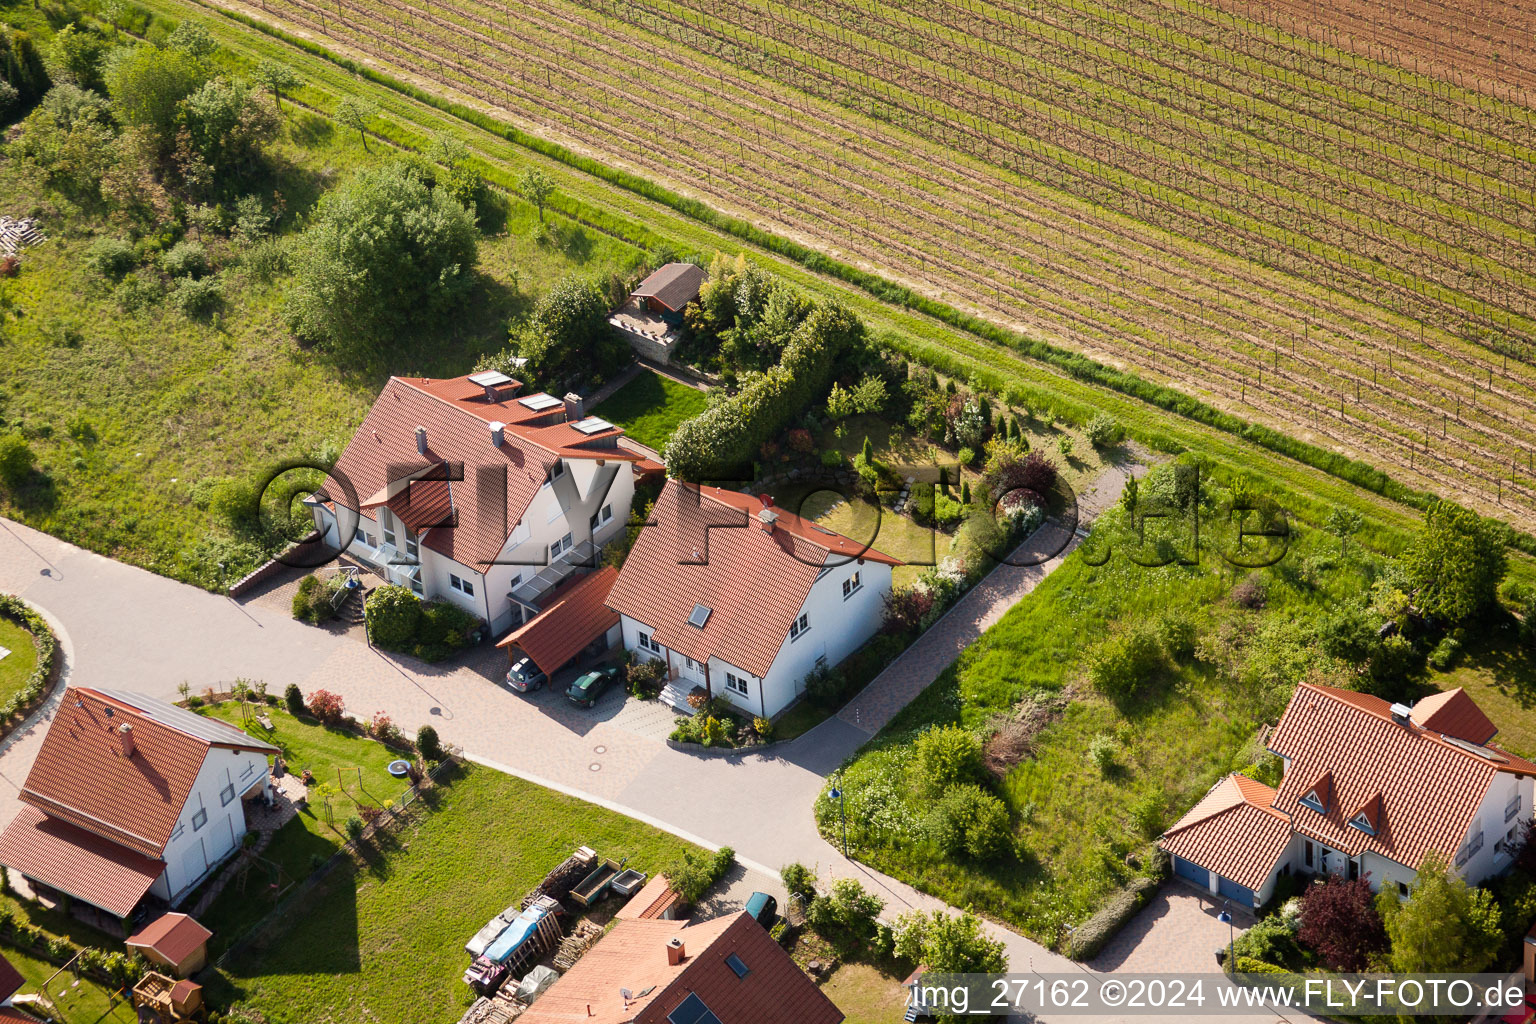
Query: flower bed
{"points": [[39, 683]]}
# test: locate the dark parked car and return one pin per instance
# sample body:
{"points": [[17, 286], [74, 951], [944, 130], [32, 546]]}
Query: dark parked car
{"points": [[587, 688], [524, 676], [763, 908]]}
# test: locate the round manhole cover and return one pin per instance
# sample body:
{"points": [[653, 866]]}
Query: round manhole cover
{"points": [[599, 750], [594, 767]]}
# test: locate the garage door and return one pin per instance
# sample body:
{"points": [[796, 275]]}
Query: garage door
{"points": [[1234, 892], [1192, 871]]}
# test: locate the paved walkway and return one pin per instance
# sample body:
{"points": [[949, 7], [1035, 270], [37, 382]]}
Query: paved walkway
{"points": [[128, 628]]}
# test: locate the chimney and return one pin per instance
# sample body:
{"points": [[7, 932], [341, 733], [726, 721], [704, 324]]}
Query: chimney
{"points": [[575, 407], [125, 739], [1402, 714], [767, 517], [675, 952], [421, 440], [498, 433]]}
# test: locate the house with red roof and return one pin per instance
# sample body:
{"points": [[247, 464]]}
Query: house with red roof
{"points": [[1369, 788], [131, 803], [468, 491], [743, 599], [655, 971]]}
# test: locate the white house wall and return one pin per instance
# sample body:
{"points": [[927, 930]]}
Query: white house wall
{"points": [[838, 627], [191, 853], [1490, 821], [565, 506]]}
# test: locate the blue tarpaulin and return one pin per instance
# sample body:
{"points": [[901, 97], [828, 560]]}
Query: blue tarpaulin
{"points": [[516, 934]]}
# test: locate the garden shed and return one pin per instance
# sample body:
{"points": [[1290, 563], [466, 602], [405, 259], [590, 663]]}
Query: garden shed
{"points": [[174, 941]]}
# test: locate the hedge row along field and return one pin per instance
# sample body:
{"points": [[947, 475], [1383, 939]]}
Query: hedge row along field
{"points": [[1340, 245]]}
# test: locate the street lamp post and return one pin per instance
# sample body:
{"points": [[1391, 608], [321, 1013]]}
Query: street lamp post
{"points": [[1225, 917], [837, 794]]}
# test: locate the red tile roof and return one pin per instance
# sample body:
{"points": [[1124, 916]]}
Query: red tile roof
{"points": [[174, 936], [11, 1014], [633, 956], [1353, 739], [706, 546], [497, 483], [10, 979], [77, 862], [1454, 714], [654, 899], [82, 776], [673, 285], [1232, 831], [575, 614]]}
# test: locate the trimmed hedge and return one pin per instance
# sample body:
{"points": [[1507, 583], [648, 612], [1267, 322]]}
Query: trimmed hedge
{"points": [[15, 609], [728, 435], [1248, 965], [1092, 935]]}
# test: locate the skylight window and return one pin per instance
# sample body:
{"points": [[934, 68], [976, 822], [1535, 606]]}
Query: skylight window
{"points": [[699, 616], [735, 963]]}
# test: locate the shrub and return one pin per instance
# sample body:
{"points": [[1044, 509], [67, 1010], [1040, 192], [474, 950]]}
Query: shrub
{"points": [[825, 687], [1121, 665], [1176, 635], [946, 756], [326, 706], [1091, 936], [692, 876], [832, 458], [763, 727], [184, 259], [1104, 430], [16, 460], [111, 257], [712, 732], [1102, 752], [905, 610], [442, 629], [847, 916], [1251, 592], [267, 260], [798, 879], [921, 502], [392, 614], [1033, 472], [196, 298], [354, 827], [428, 744], [947, 512], [1444, 654], [800, 440], [382, 727], [967, 819], [1272, 940], [1147, 814], [293, 697], [949, 945], [645, 678], [312, 601], [966, 456], [1339, 920]]}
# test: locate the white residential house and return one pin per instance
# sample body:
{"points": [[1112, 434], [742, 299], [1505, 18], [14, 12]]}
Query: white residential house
{"points": [[469, 492], [1368, 789], [132, 801], [744, 600]]}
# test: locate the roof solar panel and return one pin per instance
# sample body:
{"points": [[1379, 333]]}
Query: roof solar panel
{"points": [[593, 425], [539, 402], [489, 378]]}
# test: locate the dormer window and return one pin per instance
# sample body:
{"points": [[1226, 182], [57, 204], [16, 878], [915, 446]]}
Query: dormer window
{"points": [[1320, 795], [1361, 822], [1315, 802]]}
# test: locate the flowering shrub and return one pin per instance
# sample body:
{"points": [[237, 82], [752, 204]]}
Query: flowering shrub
{"points": [[905, 609], [326, 706], [801, 441], [382, 727], [1033, 473]]}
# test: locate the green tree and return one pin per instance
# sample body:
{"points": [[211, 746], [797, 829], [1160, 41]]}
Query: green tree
{"points": [[536, 187], [1456, 564], [191, 38], [354, 114], [949, 945], [1343, 523], [1444, 925], [228, 124], [75, 56], [840, 402], [147, 86], [276, 76], [385, 254]]}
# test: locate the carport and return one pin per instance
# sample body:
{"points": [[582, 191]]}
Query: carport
{"points": [[577, 617]]}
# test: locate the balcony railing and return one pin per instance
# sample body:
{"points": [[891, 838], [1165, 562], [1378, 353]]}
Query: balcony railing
{"points": [[1512, 808], [1473, 845]]}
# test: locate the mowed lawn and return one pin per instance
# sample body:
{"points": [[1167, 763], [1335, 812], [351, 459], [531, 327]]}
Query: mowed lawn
{"points": [[315, 833], [1500, 675], [650, 407], [16, 667], [385, 942], [75, 1002]]}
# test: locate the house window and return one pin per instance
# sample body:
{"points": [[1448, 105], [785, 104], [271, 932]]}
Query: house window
{"points": [[463, 586], [1361, 822], [851, 586], [559, 547], [359, 536], [226, 795], [1512, 808], [1354, 869], [799, 627], [389, 529], [1313, 801], [648, 643], [200, 818], [248, 770], [556, 471], [691, 663], [602, 518], [416, 586], [736, 964], [1470, 849], [1309, 853], [411, 547], [737, 685], [1402, 889]]}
